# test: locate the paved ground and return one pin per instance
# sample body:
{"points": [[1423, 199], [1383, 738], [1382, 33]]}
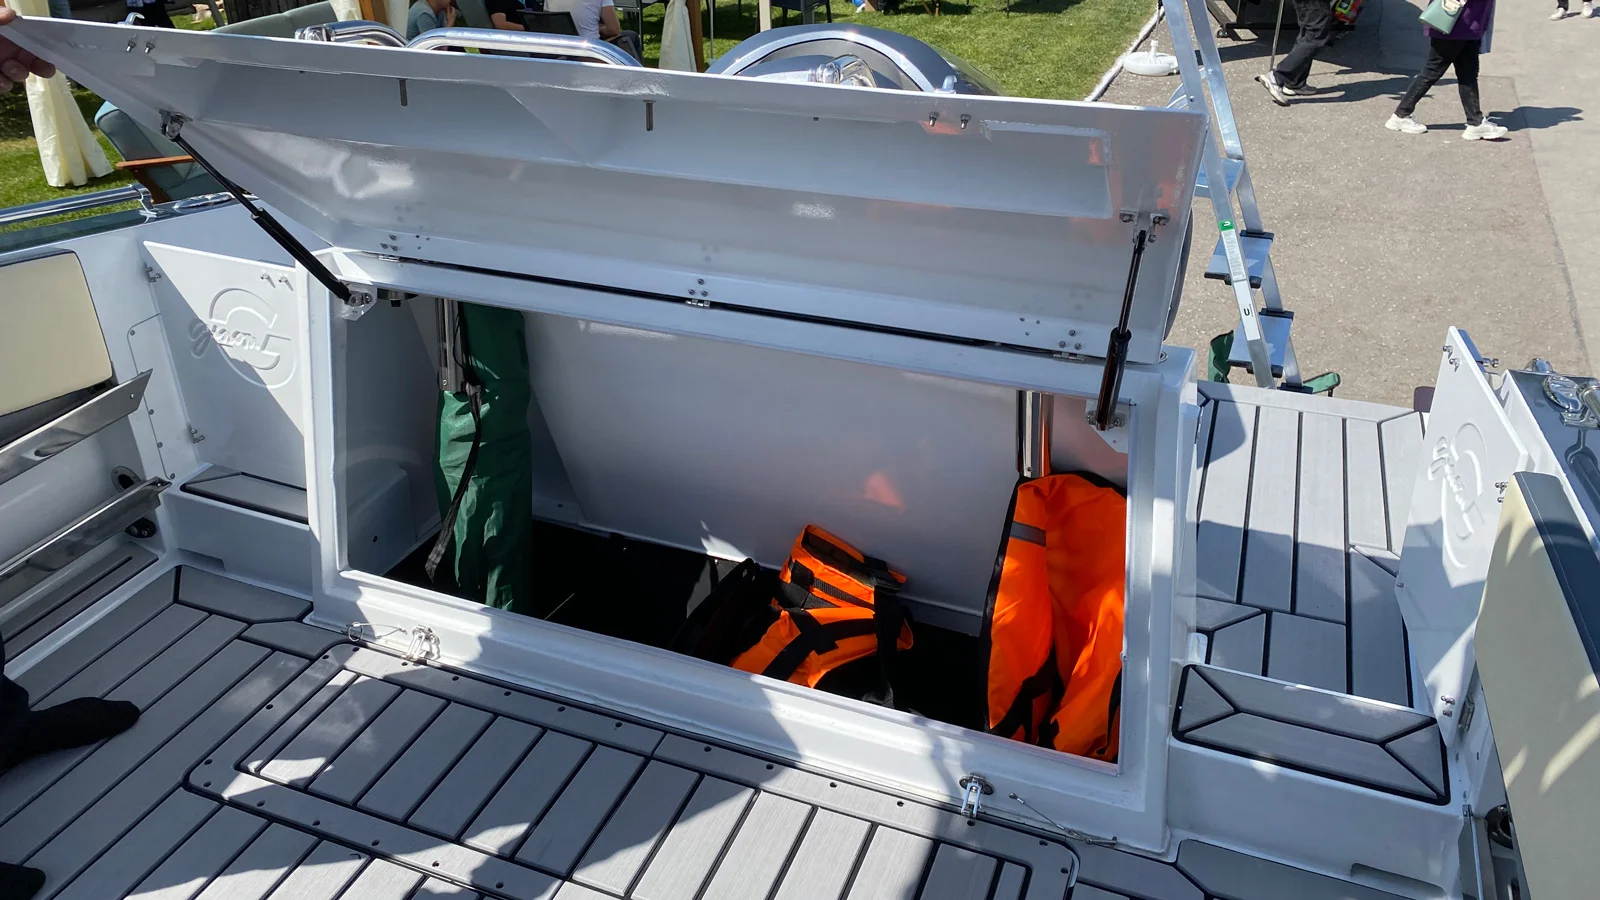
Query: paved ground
{"points": [[1384, 240]]}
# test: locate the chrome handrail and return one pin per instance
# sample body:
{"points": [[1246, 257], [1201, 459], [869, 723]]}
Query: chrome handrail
{"points": [[55, 436], [75, 203], [559, 45], [355, 31], [90, 530]]}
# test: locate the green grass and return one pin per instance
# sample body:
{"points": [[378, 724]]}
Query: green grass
{"points": [[1055, 49], [21, 175]]}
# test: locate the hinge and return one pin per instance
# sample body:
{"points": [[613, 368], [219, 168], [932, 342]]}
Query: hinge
{"points": [[150, 274], [973, 790]]}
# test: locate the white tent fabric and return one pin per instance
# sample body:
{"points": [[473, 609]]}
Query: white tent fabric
{"points": [[677, 47], [67, 148]]}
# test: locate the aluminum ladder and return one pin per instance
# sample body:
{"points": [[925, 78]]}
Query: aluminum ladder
{"points": [[1242, 258]]}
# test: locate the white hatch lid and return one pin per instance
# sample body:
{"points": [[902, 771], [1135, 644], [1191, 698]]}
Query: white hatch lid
{"points": [[993, 219]]}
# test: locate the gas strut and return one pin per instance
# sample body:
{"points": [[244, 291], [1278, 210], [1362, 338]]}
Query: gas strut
{"points": [[172, 126], [1117, 349]]}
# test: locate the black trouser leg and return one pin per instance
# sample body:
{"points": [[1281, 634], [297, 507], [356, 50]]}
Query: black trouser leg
{"points": [[1441, 53], [155, 16], [1467, 81], [1316, 28], [13, 706]]}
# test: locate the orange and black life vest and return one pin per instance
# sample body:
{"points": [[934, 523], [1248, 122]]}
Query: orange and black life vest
{"points": [[1053, 629], [835, 605]]}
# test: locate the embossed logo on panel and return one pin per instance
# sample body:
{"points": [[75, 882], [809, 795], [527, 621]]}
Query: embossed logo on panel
{"points": [[244, 328]]}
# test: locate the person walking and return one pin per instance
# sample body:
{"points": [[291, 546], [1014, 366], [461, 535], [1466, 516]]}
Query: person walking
{"points": [[1561, 11], [1460, 48], [1288, 78]]}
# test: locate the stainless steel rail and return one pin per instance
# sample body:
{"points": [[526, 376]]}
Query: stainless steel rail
{"points": [[559, 45], [65, 430], [352, 32], [75, 203], [92, 529]]}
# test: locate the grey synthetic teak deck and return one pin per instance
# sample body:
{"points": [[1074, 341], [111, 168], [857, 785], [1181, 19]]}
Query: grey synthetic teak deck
{"points": [[276, 760], [1301, 513]]}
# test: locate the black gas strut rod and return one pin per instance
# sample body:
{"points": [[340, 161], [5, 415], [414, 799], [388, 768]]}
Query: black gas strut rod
{"points": [[1117, 349], [172, 126]]}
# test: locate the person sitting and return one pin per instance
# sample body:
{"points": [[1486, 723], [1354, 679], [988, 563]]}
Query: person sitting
{"points": [[597, 19], [506, 15], [426, 15]]}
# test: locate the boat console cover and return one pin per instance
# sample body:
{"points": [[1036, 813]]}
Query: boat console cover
{"points": [[993, 219]]}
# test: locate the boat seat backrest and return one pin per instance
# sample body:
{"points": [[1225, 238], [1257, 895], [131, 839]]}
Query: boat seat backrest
{"points": [[134, 141], [1538, 645], [50, 340]]}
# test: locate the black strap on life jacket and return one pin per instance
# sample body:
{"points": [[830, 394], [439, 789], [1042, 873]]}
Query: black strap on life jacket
{"points": [[1045, 682], [799, 593]]}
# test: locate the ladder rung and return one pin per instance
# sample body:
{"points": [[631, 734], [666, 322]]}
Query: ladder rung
{"points": [[1231, 170], [1275, 327], [1255, 245]]}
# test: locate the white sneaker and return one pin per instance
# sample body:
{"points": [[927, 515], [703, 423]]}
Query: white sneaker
{"points": [[1588, 10], [1269, 80], [1407, 125], [1558, 15], [1484, 131]]}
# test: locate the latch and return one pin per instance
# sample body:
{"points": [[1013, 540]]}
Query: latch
{"points": [[973, 789], [421, 642]]}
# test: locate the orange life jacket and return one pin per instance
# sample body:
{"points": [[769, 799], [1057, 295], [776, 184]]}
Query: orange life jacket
{"points": [[1054, 624], [835, 605]]}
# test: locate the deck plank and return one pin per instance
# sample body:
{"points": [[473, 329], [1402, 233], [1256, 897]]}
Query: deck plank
{"points": [[235, 599], [1378, 665], [382, 881], [892, 867], [756, 857], [475, 778], [322, 875], [959, 874], [1269, 537], [563, 833], [261, 866], [137, 853], [1010, 883], [200, 858], [77, 845], [1227, 873], [115, 665], [304, 757], [695, 842], [1241, 646], [77, 594], [825, 858], [1220, 534], [379, 744], [1366, 506], [426, 761], [291, 726], [102, 768], [85, 647], [522, 800], [621, 848], [294, 637], [1307, 651], [1402, 455], [1320, 541], [143, 688]]}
